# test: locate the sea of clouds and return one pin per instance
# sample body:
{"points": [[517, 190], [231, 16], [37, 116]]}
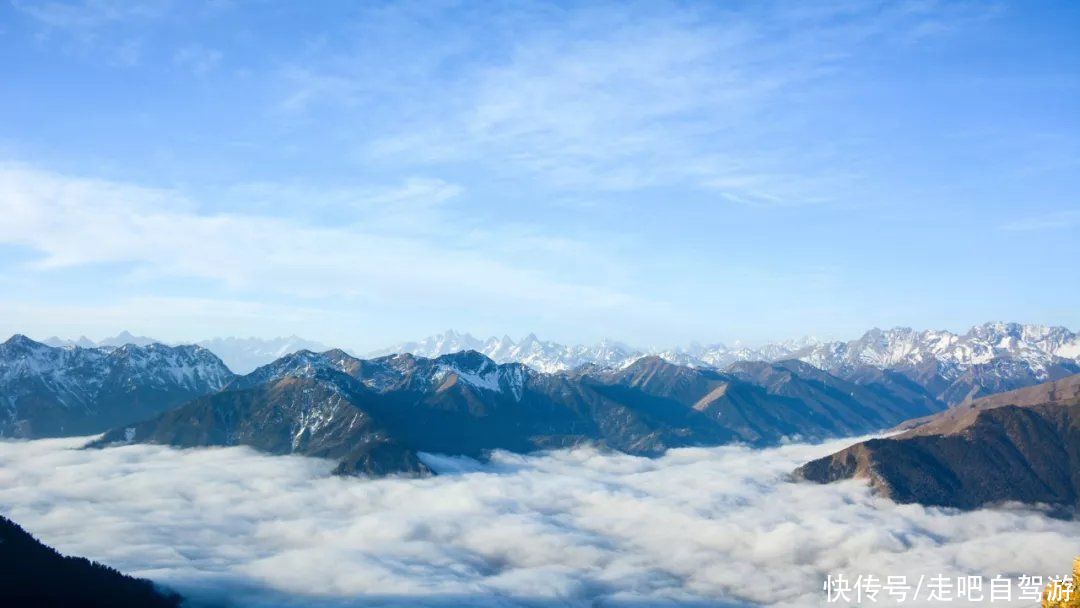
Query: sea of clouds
{"points": [[698, 527]]}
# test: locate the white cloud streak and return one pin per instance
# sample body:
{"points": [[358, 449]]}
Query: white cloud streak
{"points": [[571, 528], [388, 247]]}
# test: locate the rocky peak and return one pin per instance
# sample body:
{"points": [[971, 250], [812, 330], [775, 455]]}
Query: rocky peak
{"points": [[21, 342]]}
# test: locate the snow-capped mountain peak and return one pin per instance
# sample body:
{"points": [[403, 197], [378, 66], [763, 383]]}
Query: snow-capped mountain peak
{"points": [[470, 367]]}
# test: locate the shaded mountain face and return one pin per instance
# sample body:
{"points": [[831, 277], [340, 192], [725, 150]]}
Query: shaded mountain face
{"points": [[1022, 445], [32, 574], [319, 412], [872, 398], [763, 403], [50, 392], [375, 416]]}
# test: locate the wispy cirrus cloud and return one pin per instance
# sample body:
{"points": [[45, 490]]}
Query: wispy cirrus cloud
{"points": [[617, 98]]}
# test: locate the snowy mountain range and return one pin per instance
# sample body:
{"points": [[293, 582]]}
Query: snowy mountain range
{"points": [[895, 347], [548, 357], [954, 367], [987, 358], [899, 347], [552, 357]]}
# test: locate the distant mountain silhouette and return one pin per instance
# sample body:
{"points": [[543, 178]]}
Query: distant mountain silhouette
{"points": [[243, 355]]}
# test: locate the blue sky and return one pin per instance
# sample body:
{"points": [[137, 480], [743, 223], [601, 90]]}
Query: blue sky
{"points": [[365, 173]]}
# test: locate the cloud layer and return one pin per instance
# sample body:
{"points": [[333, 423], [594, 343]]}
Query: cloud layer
{"points": [[571, 528]]}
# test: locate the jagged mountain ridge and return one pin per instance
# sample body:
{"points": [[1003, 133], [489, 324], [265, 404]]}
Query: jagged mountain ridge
{"points": [[989, 358], [50, 391], [376, 416]]}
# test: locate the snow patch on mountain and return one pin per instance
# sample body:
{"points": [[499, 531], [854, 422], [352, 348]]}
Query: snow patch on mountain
{"points": [[480, 371], [487, 381]]}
